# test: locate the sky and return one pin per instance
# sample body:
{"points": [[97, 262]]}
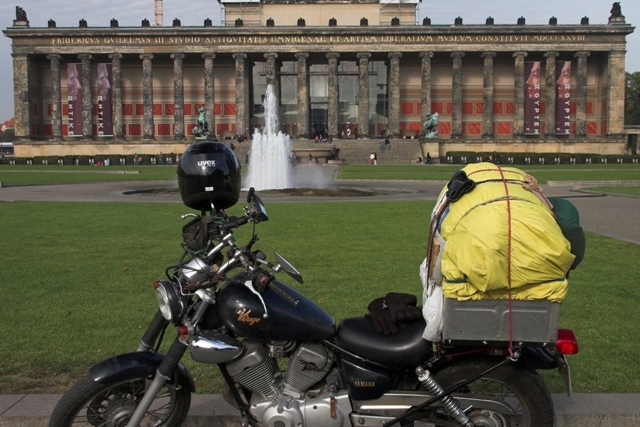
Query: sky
{"points": [[98, 13]]}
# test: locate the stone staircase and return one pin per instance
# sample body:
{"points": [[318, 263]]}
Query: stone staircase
{"points": [[353, 151]]}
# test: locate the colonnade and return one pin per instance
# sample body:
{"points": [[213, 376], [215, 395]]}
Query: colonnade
{"points": [[615, 84]]}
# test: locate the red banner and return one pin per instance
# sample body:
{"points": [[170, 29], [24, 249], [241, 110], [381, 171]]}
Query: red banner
{"points": [[105, 122], [532, 98], [74, 99], [563, 98]]}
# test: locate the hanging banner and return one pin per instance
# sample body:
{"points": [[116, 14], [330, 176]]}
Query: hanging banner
{"points": [[532, 98], [105, 122], [74, 99], [563, 98]]}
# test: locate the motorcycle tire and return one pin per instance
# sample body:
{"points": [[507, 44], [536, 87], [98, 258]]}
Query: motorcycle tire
{"points": [[521, 389], [89, 403]]}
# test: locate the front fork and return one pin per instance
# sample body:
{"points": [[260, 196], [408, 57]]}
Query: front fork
{"points": [[157, 326], [165, 372]]}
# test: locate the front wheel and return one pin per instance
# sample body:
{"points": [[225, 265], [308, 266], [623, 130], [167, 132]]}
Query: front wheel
{"points": [[521, 392], [89, 403]]}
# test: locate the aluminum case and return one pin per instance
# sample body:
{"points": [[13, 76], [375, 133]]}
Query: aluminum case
{"points": [[488, 322]]}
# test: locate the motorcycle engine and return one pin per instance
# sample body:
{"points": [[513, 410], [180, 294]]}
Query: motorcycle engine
{"points": [[280, 401]]}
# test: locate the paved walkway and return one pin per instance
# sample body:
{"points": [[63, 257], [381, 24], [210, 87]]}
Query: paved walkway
{"points": [[611, 216]]}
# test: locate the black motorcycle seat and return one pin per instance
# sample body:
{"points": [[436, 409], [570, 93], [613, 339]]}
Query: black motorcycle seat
{"points": [[404, 350]]}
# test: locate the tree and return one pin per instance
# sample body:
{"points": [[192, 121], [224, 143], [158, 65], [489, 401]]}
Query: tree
{"points": [[632, 99]]}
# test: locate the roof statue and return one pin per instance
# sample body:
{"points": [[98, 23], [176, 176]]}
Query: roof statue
{"points": [[21, 15]]}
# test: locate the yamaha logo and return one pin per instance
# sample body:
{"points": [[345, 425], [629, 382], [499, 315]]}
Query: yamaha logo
{"points": [[207, 163]]}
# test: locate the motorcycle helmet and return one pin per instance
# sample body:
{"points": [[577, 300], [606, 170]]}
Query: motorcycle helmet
{"points": [[209, 173]]}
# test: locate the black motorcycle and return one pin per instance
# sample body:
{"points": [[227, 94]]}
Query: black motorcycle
{"points": [[228, 309]]}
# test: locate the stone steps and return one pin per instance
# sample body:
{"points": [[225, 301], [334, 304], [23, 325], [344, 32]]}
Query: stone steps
{"points": [[353, 151]]}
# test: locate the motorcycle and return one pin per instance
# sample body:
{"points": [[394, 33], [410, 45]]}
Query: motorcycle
{"points": [[246, 322]]}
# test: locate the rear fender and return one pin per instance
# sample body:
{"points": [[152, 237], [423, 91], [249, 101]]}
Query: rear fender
{"points": [[136, 364], [540, 358]]}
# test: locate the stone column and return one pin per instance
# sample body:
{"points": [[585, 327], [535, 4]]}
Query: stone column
{"points": [[456, 114], [271, 74], [518, 99], [394, 93], [56, 96], [178, 96], [116, 94], [147, 96], [487, 96], [615, 96], [332, 119], [240, 104], [87, 103], [550, 98], [209, 93], [425, 92], [581, 95], [363, 94], [21, 108], [303, 95]]}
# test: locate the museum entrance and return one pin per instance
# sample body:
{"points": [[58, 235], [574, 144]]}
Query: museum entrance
{"points": [[348, 87]]}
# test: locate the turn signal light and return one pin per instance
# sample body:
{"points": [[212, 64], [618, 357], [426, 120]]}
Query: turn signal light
{"points": [[567, 342], [183, 330], [156, 284]]}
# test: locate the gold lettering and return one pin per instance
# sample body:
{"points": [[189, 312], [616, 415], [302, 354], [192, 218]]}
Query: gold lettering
{"points": [[244, 317]]}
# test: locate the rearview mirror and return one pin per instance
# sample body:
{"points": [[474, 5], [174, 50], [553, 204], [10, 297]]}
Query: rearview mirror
{"points": [[288, 268]]}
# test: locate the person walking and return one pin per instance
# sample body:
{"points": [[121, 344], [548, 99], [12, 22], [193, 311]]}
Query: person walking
{"points": [[372, 158]]}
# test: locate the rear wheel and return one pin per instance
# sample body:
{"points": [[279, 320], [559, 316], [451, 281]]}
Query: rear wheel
{"points": [[515, 396], [92, 404]]}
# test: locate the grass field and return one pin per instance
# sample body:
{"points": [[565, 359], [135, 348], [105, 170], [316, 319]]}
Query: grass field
{"points": [[77, 283], [543, 173], [54, 174]]}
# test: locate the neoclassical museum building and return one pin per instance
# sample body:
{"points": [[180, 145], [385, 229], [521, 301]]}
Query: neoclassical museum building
{"points": [[361, 68]]}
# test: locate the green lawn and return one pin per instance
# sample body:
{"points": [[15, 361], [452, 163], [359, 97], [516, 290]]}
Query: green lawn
{"points": [[77, 282], [54, 174], [618, 190], [543, 173]]}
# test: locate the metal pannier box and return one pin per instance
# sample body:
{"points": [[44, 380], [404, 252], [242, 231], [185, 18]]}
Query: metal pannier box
{"points": [[487, 322]]}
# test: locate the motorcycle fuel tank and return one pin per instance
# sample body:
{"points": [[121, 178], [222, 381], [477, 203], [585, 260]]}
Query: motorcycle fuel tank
{"points": [[243, 313]]}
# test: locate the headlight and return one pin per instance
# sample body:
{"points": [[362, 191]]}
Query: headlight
{"points": [[169, 301]]}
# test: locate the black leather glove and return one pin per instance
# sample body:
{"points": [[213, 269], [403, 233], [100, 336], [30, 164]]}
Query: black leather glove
{"points": [[403, 308], [381, 317]]}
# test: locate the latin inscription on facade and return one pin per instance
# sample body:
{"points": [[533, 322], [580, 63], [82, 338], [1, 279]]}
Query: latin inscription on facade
{"points": [[339, 39]]}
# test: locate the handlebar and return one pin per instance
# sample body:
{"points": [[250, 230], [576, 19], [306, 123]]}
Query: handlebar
{"points": [[281, 290]]}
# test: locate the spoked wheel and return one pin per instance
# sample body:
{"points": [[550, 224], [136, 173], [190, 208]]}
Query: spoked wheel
{"points": [[92, 404], [509, 396]]}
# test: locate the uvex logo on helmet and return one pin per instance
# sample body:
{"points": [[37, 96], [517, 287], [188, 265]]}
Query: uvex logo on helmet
{"points": [[207, 163]]}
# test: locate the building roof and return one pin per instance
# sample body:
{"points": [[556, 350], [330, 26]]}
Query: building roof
{"points": [[9, 124]]}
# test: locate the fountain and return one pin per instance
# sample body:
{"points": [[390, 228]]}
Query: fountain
{"points": [[270, 158]]}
